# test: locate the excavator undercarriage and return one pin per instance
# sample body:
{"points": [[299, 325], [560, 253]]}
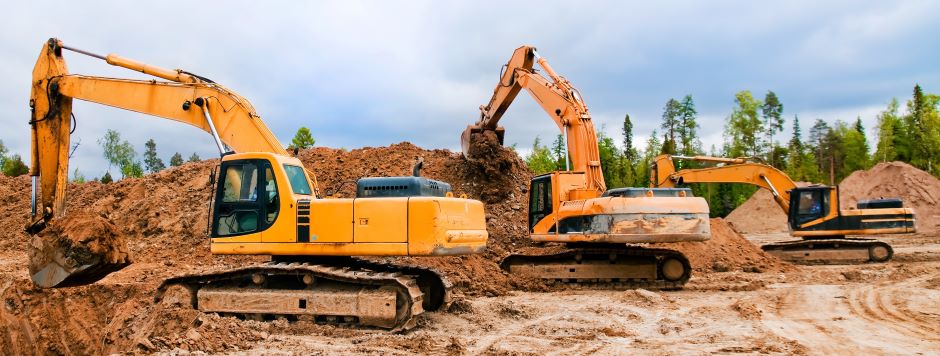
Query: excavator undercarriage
{"points": [[831, 251], [348, 291], [606, 266]]}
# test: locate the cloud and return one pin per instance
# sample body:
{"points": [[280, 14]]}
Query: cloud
{"points": [[376, 73]]}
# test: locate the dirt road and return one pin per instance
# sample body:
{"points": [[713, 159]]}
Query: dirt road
{"points": [[891, 308]]}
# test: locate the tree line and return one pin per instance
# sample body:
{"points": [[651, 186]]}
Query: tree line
{"points": [[829, 153]]}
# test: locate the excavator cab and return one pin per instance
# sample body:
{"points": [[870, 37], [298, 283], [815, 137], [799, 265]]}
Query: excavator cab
{"points": [[812, 203]]}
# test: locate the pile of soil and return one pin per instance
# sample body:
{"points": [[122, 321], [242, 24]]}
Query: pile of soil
{"points": [[727, 250], [760, 214], [918, 189], [59, 252]]}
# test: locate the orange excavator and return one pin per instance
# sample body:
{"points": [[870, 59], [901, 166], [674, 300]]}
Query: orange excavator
{"points": [[599, 227], [813, 212], [265, 203]]}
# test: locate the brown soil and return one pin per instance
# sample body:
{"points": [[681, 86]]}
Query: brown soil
{"points": [[918, 189], [725, 251], [74, 241], [759, 214], [163, 218]]}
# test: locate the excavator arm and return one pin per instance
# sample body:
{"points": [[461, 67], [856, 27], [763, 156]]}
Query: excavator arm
{"points": [[187, 98], [733, 170], [558, 98]]}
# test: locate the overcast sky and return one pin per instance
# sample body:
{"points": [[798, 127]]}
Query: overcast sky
{"points": [[376, 73]]}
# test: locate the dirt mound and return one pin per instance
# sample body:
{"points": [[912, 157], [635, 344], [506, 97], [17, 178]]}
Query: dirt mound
{"points": [[760, 214], [726, 251], [918, 189]]}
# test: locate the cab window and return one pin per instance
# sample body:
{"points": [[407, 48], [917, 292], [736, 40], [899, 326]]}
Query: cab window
{"points": [[297, 179], [812, 205]]}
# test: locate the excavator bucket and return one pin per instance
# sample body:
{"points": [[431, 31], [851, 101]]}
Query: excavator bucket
{"points": [[76, 250], [476, 140]]}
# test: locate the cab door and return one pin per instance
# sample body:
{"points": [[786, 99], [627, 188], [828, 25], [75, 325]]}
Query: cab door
{"points": [[243, 204]]}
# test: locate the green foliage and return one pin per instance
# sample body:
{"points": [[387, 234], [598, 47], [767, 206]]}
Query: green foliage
{"points": [[540, 160], [303, 139], [629, 155], [134, 169], [151, 161], [891, 133], [13, 166], [671, 122], [743, 127], [688, 128], [106, 178], [176, 160], [652, 149], [194, 158], [78, 177], [610, 160], [559, 152], [772, 115], [3, 153], [118, 152]]}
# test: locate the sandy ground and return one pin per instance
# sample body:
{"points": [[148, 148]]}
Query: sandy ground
{"points": [[891, 308]]}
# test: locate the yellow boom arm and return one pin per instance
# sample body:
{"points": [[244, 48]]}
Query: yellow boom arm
{"points": [[190, 99], [560, 100], [733, 170]]}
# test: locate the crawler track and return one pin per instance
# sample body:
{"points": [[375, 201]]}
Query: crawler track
{"points": [[831, 251], [341, 291], [607, 267]]}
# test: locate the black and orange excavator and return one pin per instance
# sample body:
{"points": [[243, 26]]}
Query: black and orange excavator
{"points": [[265, 203], [813, 212], [574, 207]]}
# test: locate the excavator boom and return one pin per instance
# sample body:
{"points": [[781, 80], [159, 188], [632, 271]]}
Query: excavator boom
{"points": [[559, 99], [190, 99]]}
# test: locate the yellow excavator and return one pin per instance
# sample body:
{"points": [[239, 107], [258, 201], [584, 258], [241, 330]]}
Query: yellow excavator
{"points": [[813, 212], [599, 227], [265, 203]]}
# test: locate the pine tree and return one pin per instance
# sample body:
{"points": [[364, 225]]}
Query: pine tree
{"points": [[671, 124], [106, 178], [194, 158], [688, 127], [856, 148], [151, 161], [303, 139], [629, 155], [176, 159], [772, 114], [559, 152]]}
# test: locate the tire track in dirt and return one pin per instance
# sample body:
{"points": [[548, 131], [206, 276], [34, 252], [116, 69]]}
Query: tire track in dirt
{"points": [[879, 304]]}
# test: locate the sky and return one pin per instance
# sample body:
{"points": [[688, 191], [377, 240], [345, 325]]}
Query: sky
{"points": [[375, 73]]}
